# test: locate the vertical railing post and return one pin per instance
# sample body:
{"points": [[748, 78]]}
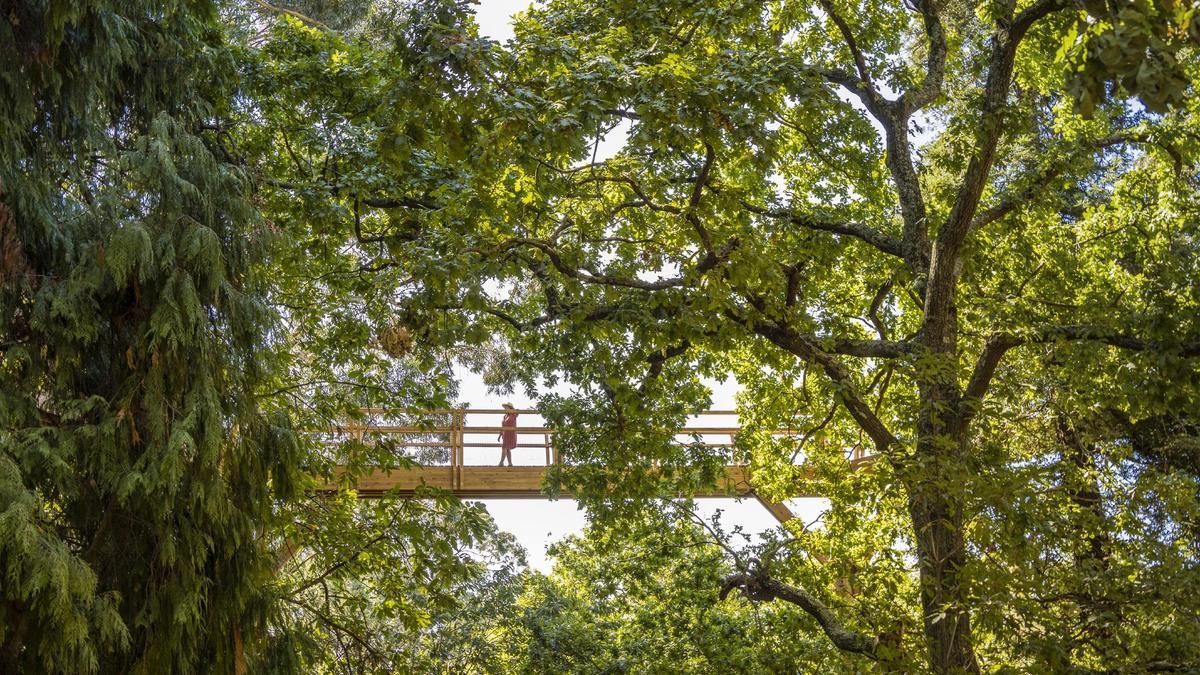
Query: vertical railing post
{"points": [[452, 448], [456, 446], [546, 438]]}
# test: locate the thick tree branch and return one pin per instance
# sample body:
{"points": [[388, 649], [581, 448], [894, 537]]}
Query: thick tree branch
{"points": [[1189, 348], [893, 116], [938, 331], [659, 359], [860, 62], [935, 61], [999, 344], [880, 241], [806, 347], [1042, 179], [758, 586], [694, 201], [981, 377], [876, 303], [1005, 39], [852, 83]]}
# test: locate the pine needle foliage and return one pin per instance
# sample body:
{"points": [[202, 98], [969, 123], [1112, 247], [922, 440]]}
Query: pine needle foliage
{"points": [[136, 471]]}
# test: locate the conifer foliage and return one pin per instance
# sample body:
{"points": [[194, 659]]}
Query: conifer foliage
{"points": [[136, 471]]}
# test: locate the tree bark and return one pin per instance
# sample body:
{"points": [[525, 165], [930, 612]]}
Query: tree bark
{"points": [[935, 500], [10, 649], [937, 518]]}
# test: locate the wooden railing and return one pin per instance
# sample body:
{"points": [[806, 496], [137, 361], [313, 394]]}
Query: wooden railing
{"points": [[444, 442], [465, 440], [457, 432]]}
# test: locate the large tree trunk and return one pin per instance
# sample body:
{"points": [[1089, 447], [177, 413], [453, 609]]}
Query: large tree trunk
{"points": [[937, 518], [935, 502]]}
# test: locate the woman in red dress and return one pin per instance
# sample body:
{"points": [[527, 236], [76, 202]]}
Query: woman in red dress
{"points": [[508, 435]]}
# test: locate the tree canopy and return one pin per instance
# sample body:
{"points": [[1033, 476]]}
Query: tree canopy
{"points": [[961, 238]]}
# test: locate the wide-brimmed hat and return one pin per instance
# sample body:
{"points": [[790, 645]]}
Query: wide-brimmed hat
{"points": [[507, 405]]}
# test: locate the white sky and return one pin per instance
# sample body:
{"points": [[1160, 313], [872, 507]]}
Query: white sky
{"points": [[537, 523]]}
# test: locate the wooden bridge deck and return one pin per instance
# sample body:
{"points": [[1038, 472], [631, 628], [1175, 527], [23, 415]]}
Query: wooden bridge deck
{"points": [[475, 480], [516, 482]]}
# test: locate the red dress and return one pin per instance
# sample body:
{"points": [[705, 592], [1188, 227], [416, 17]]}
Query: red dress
{"points": [[508, 437]]}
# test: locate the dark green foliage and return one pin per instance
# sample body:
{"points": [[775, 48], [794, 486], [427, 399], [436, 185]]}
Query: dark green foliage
{"points": [[644, 598], [137, 469], [386, 586]]}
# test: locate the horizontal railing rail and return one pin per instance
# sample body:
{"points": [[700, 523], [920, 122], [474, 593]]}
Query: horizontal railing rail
{"points": [[451, 430]]}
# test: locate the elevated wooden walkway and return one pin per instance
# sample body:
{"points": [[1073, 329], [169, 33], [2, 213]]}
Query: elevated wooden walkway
{"points": [[455, 456]]}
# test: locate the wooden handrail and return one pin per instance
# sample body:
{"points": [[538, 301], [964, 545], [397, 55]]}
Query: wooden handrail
{"points": [[497, 411], [454, 436]]}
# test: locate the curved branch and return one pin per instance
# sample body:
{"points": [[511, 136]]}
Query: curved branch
{"points": [[860, 62], [559, 264], [1189, 348], [276, 9], [806, 347], [1005, 39], [999, 344], [759, 586], [1041, 179], [879, 240]]}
